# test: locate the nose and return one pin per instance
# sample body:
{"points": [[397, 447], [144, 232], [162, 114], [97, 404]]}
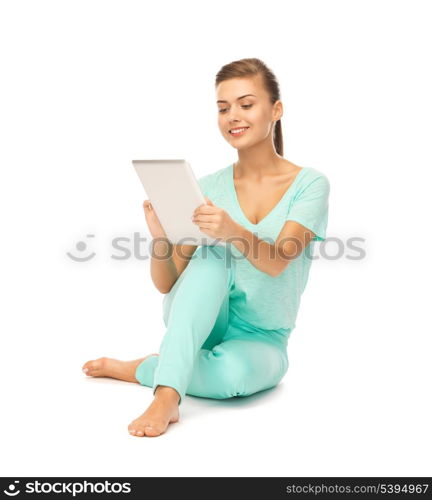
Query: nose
{"points": [[233, 122], [232, 116]]}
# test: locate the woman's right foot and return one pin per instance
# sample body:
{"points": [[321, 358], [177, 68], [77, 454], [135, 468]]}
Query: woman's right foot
{"points": [[114, 368]]}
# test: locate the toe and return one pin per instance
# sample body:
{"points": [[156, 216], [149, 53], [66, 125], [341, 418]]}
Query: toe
{"points": [[152, 431], [94, 366], [136, 432], [86, 367]]}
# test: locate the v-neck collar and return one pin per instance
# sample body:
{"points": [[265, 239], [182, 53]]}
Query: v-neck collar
{"points": [[239, 208]]}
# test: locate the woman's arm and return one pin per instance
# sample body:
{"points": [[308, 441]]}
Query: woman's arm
{"points": [[168, 261], [306, 220], [273, 259]]}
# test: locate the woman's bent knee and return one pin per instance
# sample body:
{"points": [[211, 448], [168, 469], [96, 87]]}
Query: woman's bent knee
{"points": [[216, 254], [240, 375]]}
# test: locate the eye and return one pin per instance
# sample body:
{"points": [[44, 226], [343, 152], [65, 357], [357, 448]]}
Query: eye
{"points": [[247, 106]]}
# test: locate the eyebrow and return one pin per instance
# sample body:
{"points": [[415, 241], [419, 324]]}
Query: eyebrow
{"points": [[238, 98]]}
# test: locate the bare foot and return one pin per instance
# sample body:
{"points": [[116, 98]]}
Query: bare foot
{"points": [[114, 368], [162, 411]]}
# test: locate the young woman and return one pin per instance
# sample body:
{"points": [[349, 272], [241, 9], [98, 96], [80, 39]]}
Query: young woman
{"points": [[229, 309]]}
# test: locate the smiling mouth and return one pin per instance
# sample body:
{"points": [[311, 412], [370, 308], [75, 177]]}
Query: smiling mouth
{"points": [[238, 131]]}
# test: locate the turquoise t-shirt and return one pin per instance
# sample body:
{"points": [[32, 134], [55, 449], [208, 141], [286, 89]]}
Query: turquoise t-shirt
{"points": [[267, 302]]}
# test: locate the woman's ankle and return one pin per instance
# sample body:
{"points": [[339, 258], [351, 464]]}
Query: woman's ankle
{"points": [[166, 392]]}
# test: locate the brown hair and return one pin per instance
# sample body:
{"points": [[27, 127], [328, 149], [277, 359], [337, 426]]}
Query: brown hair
{"points": [[250, 67]]}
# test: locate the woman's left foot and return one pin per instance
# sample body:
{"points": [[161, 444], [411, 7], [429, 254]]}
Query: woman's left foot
{"points": [[114, 368], [163, 410]]}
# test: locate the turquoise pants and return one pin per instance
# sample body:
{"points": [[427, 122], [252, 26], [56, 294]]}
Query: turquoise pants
{"points": [[206, 350]]}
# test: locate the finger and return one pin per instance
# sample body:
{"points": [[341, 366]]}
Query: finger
{"points": [[205, 225], [204, 218], [205, 205], [204, 209]]}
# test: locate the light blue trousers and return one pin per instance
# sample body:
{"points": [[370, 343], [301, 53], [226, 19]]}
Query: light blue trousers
{"points": [[206, 350]]}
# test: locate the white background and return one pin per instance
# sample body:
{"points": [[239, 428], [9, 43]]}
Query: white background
{"points": [[86, 87]]}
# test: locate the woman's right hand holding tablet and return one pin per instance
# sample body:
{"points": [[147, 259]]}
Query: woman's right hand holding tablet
{"points": [[153, 223]]}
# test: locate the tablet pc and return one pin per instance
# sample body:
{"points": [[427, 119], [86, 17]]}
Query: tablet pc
{"points": [[174, 192]]}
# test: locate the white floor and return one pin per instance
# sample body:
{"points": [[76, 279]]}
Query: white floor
{"points": [[354, 402]]}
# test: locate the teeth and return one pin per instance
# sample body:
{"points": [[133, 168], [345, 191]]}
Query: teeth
{"points": [[238, 130]]}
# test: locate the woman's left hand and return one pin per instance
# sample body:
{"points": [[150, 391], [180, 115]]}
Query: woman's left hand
{"points": [[214, 221]]}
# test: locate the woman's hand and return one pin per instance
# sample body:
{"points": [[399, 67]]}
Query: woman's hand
{"points": [[153, 223], [214, 221]]}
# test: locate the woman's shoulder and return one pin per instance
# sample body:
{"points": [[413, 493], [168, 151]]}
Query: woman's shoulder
{"points": [[313, 181], [313, 175], [305, 174]]}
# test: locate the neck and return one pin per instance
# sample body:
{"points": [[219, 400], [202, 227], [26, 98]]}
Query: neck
{"points": [[259, 161]]}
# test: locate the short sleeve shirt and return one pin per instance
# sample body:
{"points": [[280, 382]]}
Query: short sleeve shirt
{"points": [[268, 302]]}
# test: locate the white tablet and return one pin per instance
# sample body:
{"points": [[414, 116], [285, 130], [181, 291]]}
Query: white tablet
{"points": [[174, 192]]}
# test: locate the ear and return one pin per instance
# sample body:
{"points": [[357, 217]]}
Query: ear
{"points": [[208, 200]]}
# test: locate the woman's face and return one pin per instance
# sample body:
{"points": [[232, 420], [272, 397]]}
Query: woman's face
{"points": [[255, 111]]}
